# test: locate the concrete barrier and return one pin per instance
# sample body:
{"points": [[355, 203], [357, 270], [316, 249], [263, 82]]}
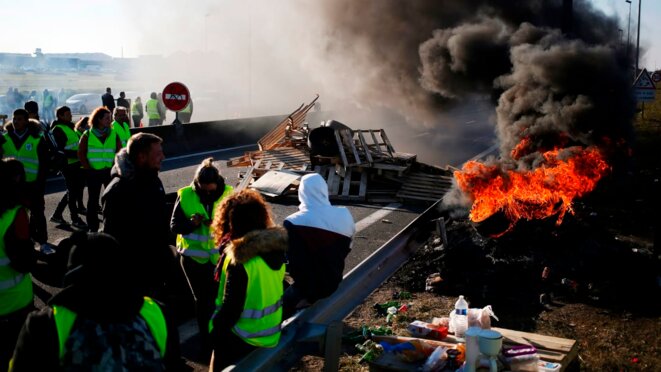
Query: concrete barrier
{"points": [[205, 136]]}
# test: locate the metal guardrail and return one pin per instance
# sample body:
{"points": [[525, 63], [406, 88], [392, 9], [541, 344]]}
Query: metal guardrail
{"points": [[318, 329]]}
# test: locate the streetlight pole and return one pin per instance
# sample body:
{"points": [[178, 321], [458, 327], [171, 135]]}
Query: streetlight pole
{"points": [[628, 31], [638, 40]]}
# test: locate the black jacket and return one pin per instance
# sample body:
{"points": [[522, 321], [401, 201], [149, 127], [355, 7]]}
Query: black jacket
{"points": [[135, 213], [108, 100], [38, 345]]}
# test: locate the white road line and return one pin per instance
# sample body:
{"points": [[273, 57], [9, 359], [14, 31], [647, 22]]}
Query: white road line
{"points": [[367, 221], [59, 178]]}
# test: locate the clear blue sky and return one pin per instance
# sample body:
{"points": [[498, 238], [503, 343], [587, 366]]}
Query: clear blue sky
{"points": [[120, 26]]}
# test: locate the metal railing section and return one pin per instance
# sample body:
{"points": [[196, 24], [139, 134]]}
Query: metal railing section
{"points": [[318, 329]]}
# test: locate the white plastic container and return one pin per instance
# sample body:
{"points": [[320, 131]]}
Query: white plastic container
{"points": [[460, 317]]}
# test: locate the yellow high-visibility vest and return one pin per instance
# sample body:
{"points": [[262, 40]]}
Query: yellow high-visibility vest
{"points": [[72, 141], [152, 109], [259, 324], [27, 155], [198, 244], [101, 155], [150, 312], [15, 287]]}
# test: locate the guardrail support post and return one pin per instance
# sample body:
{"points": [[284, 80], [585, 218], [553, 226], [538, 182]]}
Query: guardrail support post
{"points": [[333, 346], [441, 231]]}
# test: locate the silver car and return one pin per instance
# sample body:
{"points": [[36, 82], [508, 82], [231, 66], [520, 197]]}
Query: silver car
{"points": [[83, 103]]}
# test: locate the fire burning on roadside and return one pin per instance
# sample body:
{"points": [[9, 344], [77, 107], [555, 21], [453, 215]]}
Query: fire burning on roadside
{"points": [[546, 191]]}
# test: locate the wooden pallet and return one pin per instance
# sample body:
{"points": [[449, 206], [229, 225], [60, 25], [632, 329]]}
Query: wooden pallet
{"points": [[422, 186], [257, 170], [280, 135], [293, 157], [351, 186], [549, 348]]}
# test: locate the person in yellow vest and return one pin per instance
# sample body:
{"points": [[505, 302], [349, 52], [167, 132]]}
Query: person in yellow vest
{"points": [[17, 258], [67, 138], [186, 114], [153, 110], [191, 219], [250, 272], [98, 321], [137, 113], [121, 124], [96, 152], [24, 142]]}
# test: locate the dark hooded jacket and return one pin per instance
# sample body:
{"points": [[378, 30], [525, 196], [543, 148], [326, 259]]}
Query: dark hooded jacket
{"points": [[135, 213], [270, 245], [95, 289], [180, 222]]}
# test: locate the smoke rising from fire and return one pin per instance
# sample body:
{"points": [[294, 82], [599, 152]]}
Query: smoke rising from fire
{"points": [[558, 91]]}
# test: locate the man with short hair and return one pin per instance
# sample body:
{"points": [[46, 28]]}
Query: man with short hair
{"points": [[67, 139], [108, 100], [121, 124], [24, 142], [135, 213]]}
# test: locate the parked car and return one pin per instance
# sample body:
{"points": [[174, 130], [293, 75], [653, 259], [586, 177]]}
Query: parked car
{"points": [[83, 103]]}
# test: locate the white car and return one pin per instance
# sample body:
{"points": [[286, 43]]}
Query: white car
{"points": [[83, 103]]}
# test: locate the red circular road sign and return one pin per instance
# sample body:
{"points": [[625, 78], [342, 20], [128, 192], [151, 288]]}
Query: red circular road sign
{"points": [[176, 96]]}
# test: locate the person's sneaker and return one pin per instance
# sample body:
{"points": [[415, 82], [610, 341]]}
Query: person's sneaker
{"points": [[58, 219], [47, 249], [79, 224]]}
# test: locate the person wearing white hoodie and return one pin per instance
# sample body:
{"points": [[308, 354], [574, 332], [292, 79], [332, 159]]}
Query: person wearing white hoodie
{"points": [[320, 238]]}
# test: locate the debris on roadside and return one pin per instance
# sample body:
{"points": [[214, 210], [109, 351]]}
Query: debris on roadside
{"points": [[358, 165]]}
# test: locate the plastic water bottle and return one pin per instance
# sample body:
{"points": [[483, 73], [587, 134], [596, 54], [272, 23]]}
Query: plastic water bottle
{"points": [[460, 317]]}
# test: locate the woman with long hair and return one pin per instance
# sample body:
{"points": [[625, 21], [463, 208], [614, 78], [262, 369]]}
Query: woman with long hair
{"points": [[96, 152], [250, 272]]}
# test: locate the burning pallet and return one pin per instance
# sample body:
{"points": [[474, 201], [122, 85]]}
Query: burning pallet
{"points": [[364, 165]]}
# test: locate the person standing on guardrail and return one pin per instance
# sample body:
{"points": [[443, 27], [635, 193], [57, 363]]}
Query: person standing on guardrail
{"points": [[193, 212], [67, 140], [17, 258], [24, 142], [250, 272], [320, 237], [96, 152], [153, 110], [98, 322]]}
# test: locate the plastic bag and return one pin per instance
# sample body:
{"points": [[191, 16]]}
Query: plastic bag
{"points": [[481, 317], [436, 360]]}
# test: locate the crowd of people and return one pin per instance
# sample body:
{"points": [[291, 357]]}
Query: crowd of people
{"points": [[124, 279]]}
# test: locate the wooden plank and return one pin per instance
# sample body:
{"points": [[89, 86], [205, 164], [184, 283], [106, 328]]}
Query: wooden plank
{"points": [[343, 156], [378, 146], [366, 149], [362, 190], [348, 136], [391, 149], [346, 186]]}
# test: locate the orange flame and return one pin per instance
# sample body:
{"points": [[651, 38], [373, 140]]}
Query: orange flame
{"points": [[536, 194]]}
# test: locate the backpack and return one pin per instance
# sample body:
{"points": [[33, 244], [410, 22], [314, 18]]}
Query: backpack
{"points": [[94, 346]]}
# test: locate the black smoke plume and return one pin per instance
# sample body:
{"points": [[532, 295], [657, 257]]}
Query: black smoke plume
{"points": [[553, 89]]}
